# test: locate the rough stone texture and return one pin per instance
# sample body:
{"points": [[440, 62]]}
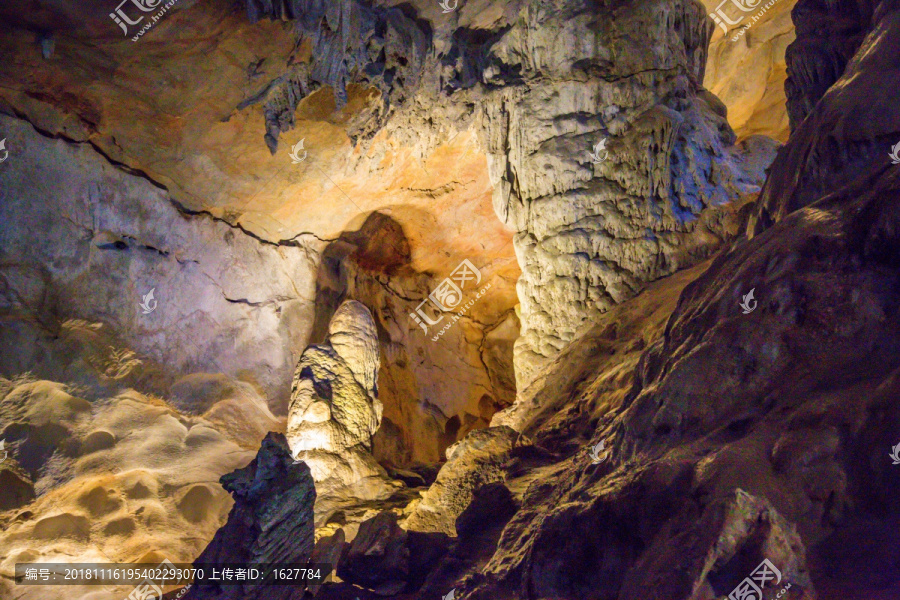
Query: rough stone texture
{"points": [[271, 521], [221, 93], [390, 103], [424, 410], [396, 128], [828, 36], [491, 503], [327, 551], [597, 371], [349, 43], [742, 436], [862, 122], [222, 83], [378, 557], [80, 239], [335, 411], [426, 549], [120, 475], [477, 460], [589, 236], [16, 487], [748, 72]]}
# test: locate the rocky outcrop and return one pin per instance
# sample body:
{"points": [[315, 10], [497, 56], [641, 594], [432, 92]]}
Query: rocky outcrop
{"points": [[828, 35], [424, 410], [85, 240], [747, 67], [378, 557], [603, 176], [735, 439], [103, 466], [17, 487], [204, 162], [271, 522], [387, 559], [335, 411], [491, 503], [863, 124], [477, 460], [327, 551], [637, 201], [350, 43], [746, 436], [391, 104]]}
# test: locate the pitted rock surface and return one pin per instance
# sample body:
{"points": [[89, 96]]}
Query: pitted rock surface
{"points": [[477, 460], [335, 411]]}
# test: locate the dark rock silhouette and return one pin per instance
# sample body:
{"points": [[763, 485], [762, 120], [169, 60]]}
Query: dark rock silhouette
{"points": [[271, 522]]}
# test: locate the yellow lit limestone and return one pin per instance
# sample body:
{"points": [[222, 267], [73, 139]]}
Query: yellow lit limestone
{"points": [[334, 411]]}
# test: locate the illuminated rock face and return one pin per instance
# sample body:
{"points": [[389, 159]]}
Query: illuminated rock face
{"points": [[425, 118], [335, 411], [607, 179], [746, 69], [475, 461]]}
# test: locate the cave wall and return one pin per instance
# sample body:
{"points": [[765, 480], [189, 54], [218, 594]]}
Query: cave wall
{"points": [[747, 70], [839, 69], [442, 120], [82, 238], [435, 387], [590, 233]]}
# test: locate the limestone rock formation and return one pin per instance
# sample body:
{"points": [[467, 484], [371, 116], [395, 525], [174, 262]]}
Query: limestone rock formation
{"points": [[391, 102], [477, 460], [742, 437], [828, 36], [603, 176], [16, 487], [747, 66], [84, 240], [665, 442], [491, 503], [735, 438], [829, 91], [335, 411], [271, 522], [107, 469], [327, 551], [424, 410], [378, 557], [387, 559]]}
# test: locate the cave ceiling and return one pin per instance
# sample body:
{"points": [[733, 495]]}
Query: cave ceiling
{"points": [[189, 102], [181, 105]]}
